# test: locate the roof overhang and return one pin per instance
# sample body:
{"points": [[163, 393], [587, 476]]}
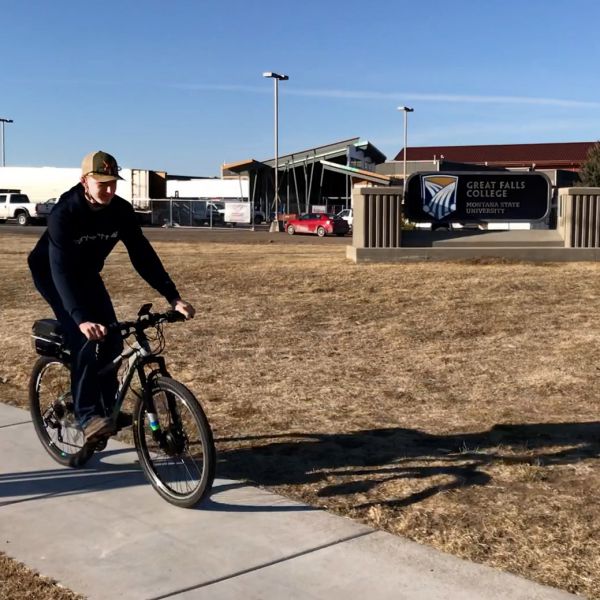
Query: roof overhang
{"points": [[375, 154], [313, 154], [243, 166], [360, 174]]}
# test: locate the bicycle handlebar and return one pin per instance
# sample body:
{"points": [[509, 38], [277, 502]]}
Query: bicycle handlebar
{"points": [[146, 321]]}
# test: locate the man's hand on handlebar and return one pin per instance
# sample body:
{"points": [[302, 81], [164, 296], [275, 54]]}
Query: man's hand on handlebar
{"points": [[93, 331], [183, 307], [96, 331]]}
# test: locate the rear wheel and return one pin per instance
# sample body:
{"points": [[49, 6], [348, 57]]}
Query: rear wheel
{"points": [[23, 218], [52, 413], [321, 231], [178, 457], [290, 229]]}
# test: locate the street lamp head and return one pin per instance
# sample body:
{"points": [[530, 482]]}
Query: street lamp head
{"points": [[6, 120], [406, 108], [275, 76]]}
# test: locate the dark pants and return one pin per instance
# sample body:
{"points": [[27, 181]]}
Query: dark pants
{"points": [[92, 394]]}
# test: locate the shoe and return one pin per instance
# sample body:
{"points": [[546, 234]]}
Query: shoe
{"points": [[124, 420], [98, 427]]}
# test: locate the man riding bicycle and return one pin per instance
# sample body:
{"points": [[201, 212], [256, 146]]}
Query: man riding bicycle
{"points": [[83, 228]]}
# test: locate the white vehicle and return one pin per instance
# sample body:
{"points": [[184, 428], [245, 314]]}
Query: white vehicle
{"points": [[15, 205], [43, 209], [259, 216], [347, 215], [216, 207], [207, 213]]}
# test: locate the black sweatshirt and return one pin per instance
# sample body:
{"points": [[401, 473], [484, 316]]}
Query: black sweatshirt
{"points": [[77, 242]]}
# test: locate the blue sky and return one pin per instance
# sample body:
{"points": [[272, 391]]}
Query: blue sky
{"points": [[178, 85]]}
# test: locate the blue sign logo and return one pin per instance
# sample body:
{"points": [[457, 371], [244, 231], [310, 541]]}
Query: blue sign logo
{"points": [[439, 195]]}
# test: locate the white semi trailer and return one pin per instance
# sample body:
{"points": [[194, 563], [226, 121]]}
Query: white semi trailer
{"points": [[42, 183]]}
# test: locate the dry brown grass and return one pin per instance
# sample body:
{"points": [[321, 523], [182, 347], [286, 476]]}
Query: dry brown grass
{"points": [[455, 404], [17, 582]]}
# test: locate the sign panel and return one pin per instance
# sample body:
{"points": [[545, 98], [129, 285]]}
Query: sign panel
{"points": [[237, 212], [477, 196]]}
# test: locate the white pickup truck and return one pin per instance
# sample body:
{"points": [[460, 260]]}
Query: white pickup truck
{"points": [[15, 205], [348, 215]]}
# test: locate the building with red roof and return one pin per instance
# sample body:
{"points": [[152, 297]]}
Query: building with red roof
{"points": [[567, 156]]}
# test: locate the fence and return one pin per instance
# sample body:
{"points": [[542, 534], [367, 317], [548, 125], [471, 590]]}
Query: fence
{"points": [[178, 212]]}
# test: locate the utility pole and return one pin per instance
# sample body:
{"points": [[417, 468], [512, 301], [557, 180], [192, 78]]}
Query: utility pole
{"points": [[276, 79], [3, 121], [406, 110]]}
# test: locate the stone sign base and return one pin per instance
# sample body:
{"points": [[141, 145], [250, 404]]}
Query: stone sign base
{"points": [[524, 253], [461, 238], [536, 245]]}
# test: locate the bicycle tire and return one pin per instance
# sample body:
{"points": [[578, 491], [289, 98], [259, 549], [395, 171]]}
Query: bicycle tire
{"points": [[51, 408], [187, 448]]}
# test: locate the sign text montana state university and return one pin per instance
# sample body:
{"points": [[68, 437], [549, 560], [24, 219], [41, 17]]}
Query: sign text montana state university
{"points": [[483, 196]]}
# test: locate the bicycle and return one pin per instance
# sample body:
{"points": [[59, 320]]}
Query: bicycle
{"points": [[171, 433]]}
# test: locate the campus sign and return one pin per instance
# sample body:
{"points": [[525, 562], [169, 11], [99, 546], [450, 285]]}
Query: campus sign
{"points": [[477, 196]]}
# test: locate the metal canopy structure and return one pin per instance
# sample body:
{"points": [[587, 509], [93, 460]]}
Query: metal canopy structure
{"points": [[302, 181], [358, 174], [329, 151], [244, 166]]}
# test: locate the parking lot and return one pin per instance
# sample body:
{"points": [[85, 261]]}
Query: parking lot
{"points": [[237, 235]]}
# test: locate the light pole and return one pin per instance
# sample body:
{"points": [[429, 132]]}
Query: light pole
{"points": [[405, 110], [276, 77], [3, 121]]}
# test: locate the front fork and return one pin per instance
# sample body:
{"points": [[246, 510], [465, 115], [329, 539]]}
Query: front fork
{"points": [[147, 383]]}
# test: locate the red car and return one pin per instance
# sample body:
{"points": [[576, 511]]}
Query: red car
{"points": [[319, 223]]}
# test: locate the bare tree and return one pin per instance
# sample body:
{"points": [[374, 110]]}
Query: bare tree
{"points": [[590, 171]]}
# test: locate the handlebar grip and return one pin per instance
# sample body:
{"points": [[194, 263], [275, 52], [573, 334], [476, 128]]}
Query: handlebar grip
{"points": [[173, 316]]}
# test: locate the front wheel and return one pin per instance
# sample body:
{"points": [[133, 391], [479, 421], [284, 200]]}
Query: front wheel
{"points": [[290, 229], [52, 413], [175, 444], [23, 219]]}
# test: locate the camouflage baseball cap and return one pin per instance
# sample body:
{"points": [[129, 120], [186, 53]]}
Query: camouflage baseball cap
{"points": [[101, 166]]}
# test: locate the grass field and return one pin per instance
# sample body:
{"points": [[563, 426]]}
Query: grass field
{"points": [[452, 403]]}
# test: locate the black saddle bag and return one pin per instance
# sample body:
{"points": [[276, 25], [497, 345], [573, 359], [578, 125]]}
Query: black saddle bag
{"points": [[47, 338]]}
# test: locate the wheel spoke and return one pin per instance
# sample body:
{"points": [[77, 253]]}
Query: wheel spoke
{"points": [[52, 411], [180, 466]]}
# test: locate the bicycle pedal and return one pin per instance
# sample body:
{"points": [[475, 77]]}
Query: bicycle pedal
{"points": [[101, 445], [96, 444]]}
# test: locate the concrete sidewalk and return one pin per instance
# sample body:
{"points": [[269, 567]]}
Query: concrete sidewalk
{"points": [[102, 531]]}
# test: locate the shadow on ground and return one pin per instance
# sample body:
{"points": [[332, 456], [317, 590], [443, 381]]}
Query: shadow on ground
{"points": [[25, 486], [339, 464], [361, 460]]}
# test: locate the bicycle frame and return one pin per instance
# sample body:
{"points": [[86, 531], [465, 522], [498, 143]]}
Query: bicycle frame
{"points": [[138, 356]]}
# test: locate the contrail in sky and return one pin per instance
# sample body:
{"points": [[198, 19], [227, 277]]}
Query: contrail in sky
{"points": [[395, 96], [399, 97]]}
